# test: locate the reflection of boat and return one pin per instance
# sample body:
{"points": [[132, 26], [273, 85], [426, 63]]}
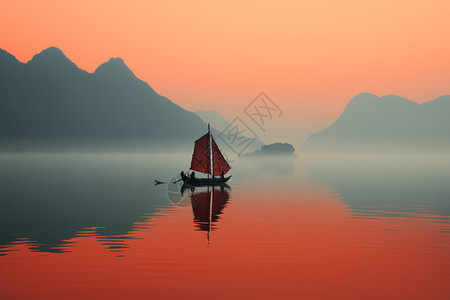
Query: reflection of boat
{"points": [[207, 205], [205, 152]]}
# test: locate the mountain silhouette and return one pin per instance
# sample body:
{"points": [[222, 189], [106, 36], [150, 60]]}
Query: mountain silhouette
{"points": [[388, 123], [50, 98]]}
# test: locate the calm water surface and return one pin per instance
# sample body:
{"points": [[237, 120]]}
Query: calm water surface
{"points": [[93, 226]]}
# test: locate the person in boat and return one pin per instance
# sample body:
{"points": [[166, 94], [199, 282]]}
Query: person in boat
{"points": [[221, 176], [186, 175]]}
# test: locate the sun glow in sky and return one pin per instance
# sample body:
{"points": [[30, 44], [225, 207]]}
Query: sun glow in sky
{"points": [[310, 57]]}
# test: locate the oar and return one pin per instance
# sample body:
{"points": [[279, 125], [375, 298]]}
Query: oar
{"points": [[161, 182]]}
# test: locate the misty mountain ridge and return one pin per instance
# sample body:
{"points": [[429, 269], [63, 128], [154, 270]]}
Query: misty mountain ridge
{"points": [[50, 98], [388, 123]]}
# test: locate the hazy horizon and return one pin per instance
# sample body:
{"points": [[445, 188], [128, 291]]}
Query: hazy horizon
{"points": [[274, 130]]}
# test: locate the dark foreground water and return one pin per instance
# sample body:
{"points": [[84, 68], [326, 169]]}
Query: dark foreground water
{"points": [[93, 226]]}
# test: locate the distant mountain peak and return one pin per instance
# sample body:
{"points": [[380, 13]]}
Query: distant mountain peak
{"points": [[395, 98], [51, 57], [388, 123], [116, 60], [5, 56], [47, 99], [115, 65], [52, 51], [364, 99], [444, 99], [365, 94]]}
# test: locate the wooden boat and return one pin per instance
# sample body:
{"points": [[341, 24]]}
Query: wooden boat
{"points": [[205, 152], [203, 181]]}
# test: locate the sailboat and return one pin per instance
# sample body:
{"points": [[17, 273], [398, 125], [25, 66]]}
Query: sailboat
{"points": [[205, 152]]}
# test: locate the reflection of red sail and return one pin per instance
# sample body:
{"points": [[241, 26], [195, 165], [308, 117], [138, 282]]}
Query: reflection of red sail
{"points": [[219, 162], [200, 159], [201, 207]]}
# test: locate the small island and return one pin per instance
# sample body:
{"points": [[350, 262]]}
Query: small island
{"points": [[275, 149]]}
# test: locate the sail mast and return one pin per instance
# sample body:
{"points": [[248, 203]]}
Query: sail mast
{"points": [[211, 158]]}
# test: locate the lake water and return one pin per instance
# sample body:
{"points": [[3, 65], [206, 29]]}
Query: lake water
{"points": [[93, 226]]}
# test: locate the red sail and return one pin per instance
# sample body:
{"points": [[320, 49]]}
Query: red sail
{"points": [[219, 162], [200, 159]]}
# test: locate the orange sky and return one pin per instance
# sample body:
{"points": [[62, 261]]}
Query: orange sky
{"points": [[310, 57]]}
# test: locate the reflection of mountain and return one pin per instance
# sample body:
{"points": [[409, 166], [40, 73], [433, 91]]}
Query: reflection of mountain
{"points": [[388, 185], [206, 215], [51, 200], [389, 123]]}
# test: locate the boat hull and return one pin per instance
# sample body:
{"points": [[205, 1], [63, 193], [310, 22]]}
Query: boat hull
{"points": [[204, 181]]}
